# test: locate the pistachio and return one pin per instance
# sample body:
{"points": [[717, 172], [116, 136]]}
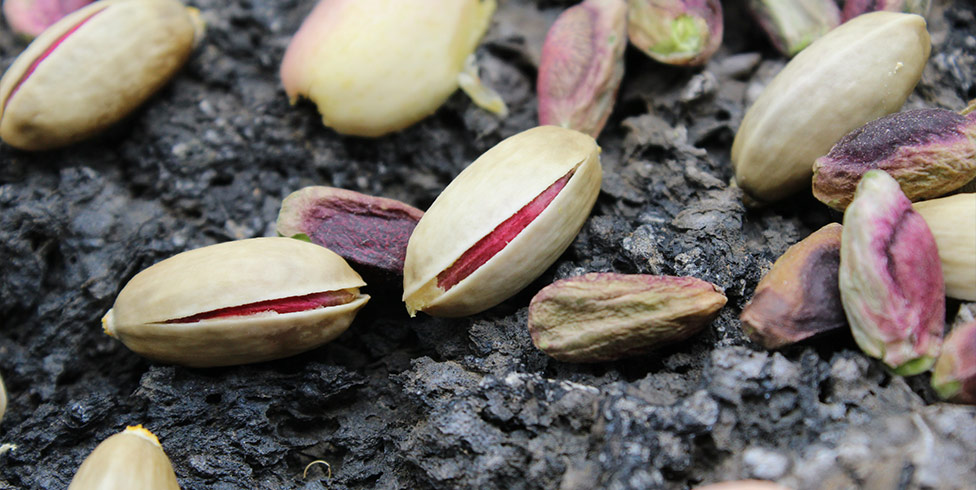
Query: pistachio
{"points": [[130, 459], [951, 220], [581, 66], [890, 278], [930, 152], [799, 297], [377, 66], [793, 24], [954, 376], [677, 32], [3, 399], [369, 232], [853, 8], [607, 316], [743, 485], [237, 302], [858, 72], [92, 68], [481, 94], [501, 222], [29, 18]]}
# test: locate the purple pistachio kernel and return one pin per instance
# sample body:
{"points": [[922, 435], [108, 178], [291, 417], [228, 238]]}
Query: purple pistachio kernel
{"points": [[371, 233], [582, 65], [853, 8], [890, 277], [954, 377], [677, 32], [31, 17], [793, 25], [929, 152]]}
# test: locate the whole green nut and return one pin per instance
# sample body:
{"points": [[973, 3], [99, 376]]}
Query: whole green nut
{"points": [[607, 316], [92, 68]]}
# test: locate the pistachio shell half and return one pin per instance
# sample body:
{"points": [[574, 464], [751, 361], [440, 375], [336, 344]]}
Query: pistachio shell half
{"points": [[130, 459], [502, 222], [92, 68], [237, 302]]}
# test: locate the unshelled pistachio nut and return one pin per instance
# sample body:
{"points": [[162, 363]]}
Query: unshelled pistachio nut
{"points": [[607, 316], [29, 18], [853, 8], [502, 222], [952, 221], [858, 72], [930, 152], [890, 277], [371, 233], [237, 302], [677, 32], [798, 298], [128, 460], [582, 64], [377, 66], [743, 485], [793, 24], [92, 68], [954, 375]]}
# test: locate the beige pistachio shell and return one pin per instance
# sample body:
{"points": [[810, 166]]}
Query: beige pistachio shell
{"points": [[96, 66], [3, 399], [858, 72], [226, 275], [952, 221], [130, 459], [492, 189]]}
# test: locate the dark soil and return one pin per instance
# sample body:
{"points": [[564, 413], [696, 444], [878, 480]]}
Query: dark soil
{"points": [[397, 402]]}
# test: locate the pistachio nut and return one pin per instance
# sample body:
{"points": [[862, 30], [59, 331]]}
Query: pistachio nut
{"points": [[853, 8], [793, 24], [581, 66], [952, 221], [130, 459], [890, 277], [29, 18], [954, 375], [3, 399], [930, 152], [237, 302], [370, 232], [858, 72], [377, 66], [607, 316], [502, 222], [677, 32], [92, 68], [798, 298]]}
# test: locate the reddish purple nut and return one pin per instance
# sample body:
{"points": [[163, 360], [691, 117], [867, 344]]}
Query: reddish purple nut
{"points": [[954, 377], [930, 152], [853, 8], [371, 233]]}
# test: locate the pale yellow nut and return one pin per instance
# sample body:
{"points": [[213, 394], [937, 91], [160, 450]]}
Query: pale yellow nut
{"points": [[952, 221], [150, 315], [490, 191], [128, 460], [92, 68], [858, 72], [377, 66]]}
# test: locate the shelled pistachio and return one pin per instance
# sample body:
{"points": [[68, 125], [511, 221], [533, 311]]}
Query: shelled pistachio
{"points": [[676, 32], [92, 68], [853, 8], [954, 375], [858, 72], [29, 18], [952, 221], [793, 24], [237, 302], [501, 222], [131, 459]]}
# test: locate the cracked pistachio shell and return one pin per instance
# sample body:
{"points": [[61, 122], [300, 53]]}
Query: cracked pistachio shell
{"points": [[890, 277], [954, 375], [606, 316], [377, 66], [952, 221], [494, 205], [91, 69], [131, 459], [229, 275], [858, 72]]}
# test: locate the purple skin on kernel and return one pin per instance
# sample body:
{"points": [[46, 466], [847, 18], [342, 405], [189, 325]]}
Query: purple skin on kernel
{"points": [[879, 139], [280, 306], [492, 243]]}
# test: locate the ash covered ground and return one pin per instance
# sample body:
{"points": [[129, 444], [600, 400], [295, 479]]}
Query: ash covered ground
{"points": [[448, 403]]}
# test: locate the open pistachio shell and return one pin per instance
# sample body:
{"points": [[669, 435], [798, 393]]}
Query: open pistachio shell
{"points": [[128, 460], [502, 222], [92, 68], [237, 302]]}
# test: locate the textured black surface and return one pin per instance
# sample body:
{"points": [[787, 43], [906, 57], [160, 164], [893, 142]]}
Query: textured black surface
{"points": [[446, 403]]}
